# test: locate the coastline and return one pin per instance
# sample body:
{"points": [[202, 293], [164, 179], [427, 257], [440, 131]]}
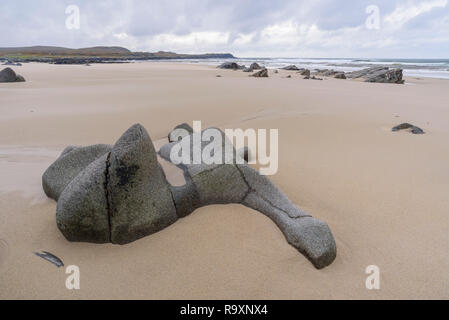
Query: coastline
{"points": [[382, 193]]}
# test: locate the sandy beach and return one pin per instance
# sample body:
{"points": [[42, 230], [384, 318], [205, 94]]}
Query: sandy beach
{"points": [[383, 194]]}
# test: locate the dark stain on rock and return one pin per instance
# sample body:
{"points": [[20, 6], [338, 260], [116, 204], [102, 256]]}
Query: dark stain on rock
{"points": [[125, 173]]}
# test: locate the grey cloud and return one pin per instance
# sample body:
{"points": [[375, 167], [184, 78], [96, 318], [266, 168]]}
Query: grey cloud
{"points": [[319, 27]]}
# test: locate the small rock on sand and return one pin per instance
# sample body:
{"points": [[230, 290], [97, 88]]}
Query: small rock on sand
{"points": [[405, 126]]}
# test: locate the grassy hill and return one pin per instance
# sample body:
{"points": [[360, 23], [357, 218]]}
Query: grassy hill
{"points": [[93, 54]]}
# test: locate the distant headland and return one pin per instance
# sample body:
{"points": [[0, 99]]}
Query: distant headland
{"points": [[60, 55]]}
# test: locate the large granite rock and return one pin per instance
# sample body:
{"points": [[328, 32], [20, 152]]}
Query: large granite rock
{"points": [[123, 195], [236, 182], [120, 197], [8, 75], [139, 196], [378, 74], [261, 74], [71, 162]]}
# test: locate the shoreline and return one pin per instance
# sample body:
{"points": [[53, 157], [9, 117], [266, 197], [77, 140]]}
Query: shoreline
{"points": [[407, 70]]}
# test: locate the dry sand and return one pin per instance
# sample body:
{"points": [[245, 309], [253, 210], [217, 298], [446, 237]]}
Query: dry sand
{"points": [[384, 194]]}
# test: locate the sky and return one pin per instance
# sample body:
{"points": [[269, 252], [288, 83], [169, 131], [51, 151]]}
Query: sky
{"points": [[246, 28]]}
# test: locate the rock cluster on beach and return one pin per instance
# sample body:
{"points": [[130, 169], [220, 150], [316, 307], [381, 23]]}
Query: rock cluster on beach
{"points": [[118, 194], [14, 64], [374, 74], [8, 75]]}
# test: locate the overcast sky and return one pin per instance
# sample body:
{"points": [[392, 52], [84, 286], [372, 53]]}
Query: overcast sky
{"points": [[246, 28]]}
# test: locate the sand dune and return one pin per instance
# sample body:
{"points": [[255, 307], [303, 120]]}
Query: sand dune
{"points": [[383, 194]]}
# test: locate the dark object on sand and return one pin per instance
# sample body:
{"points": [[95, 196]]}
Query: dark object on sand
{"points": [[261, 74], [124, 195], [8, 75], [50, 258], [340, 76], [405, 126]]}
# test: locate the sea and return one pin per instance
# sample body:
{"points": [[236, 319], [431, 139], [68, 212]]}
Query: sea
{"points": [[430, 68]]}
